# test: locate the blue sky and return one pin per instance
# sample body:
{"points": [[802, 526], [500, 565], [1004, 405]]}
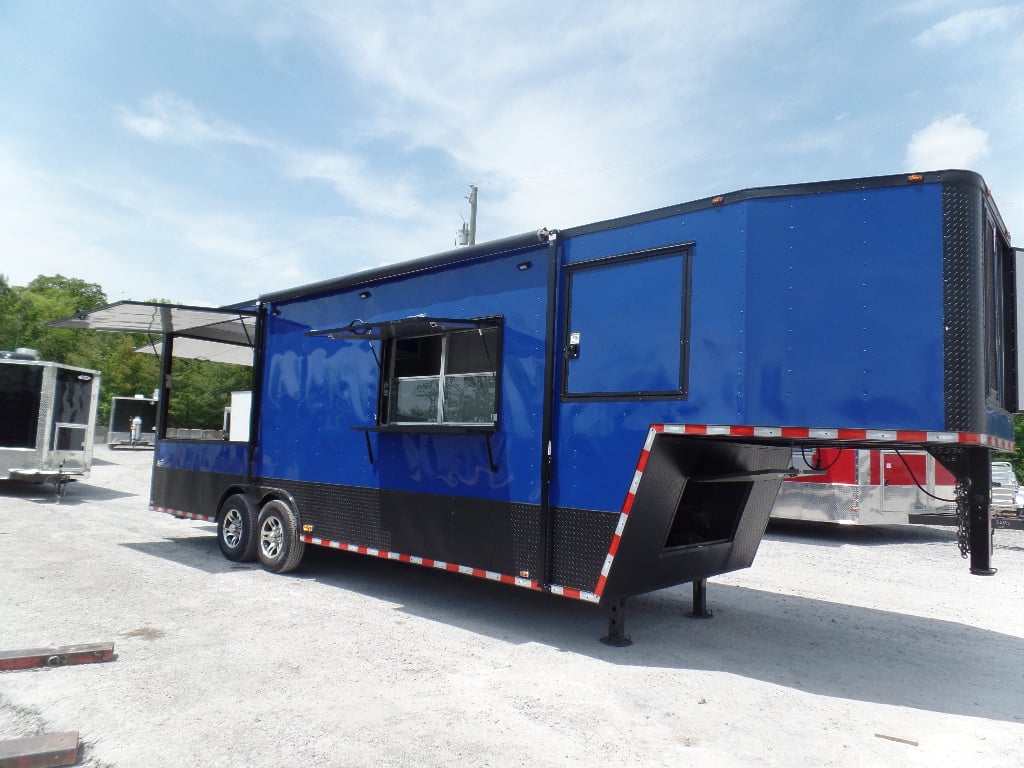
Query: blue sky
{"points": [[206, 151]]}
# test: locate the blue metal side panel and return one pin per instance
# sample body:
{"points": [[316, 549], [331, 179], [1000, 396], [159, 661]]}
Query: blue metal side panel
{"points": [[651, 361], [845, 310], [315, 390], [203, 456], [813, 310], [598, 443], [717, 310]]}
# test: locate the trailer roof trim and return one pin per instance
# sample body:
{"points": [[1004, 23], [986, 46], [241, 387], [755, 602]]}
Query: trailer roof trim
{"points": [[405, 327], [950, 176], [222, 334], [447, 258]]}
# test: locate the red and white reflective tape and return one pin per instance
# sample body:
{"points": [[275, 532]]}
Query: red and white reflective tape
{"points": [[183, 515], [627, 506], [836, 435], [840, 434], [427, 562], [575, 594]]}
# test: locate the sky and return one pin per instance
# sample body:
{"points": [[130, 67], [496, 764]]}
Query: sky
{"points": [[208, 151]]}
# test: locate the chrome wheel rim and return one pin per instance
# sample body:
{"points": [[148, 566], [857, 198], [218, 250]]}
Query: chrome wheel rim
{"points": [[271, 537], [232, 527]]}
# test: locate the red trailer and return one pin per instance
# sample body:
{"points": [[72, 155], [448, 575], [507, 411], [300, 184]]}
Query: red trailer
{"points": [[883, 486]]}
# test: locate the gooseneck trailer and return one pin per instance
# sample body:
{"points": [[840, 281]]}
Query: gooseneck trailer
{"points": [[610, 409]]}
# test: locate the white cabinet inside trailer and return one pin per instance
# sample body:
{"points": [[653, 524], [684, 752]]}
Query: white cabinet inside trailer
{"points": [[238, 421]]}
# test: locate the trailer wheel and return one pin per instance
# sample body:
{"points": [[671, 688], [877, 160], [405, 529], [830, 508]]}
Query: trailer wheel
{"points": [[280, 549], [236, 528]]}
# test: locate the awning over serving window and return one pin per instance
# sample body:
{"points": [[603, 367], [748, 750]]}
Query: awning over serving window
{"points": [[405, 327], [201, 333], [201, 349]]}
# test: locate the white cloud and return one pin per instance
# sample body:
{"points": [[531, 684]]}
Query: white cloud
{"points": [[562, 113], [40, 234], [170, 119], [514, 91], [969, 25], [950, 142], [364, 188], [208, 252], [141, 240]]}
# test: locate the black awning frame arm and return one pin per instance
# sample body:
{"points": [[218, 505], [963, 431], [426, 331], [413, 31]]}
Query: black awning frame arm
{"points": [[406, 327]]}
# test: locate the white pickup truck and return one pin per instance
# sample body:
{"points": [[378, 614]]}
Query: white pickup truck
{"points": [[1007, 495]]}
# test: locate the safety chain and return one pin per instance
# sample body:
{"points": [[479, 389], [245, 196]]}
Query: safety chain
{"points": [[963, 517], [953, 460]]}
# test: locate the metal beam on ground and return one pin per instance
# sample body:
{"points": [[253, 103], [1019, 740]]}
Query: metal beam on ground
{"points": [[47, 750], [56, 657]]}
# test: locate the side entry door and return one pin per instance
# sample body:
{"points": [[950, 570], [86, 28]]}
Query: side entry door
{"points": [[626, 333]]}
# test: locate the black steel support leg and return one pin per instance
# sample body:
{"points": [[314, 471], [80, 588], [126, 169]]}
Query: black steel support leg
{"points": [[700, 600], [979, 472], [617, 625]]}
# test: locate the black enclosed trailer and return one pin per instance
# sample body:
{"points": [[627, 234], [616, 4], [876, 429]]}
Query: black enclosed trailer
{"points": [[47, 421], [132, 422], [609, 409]]}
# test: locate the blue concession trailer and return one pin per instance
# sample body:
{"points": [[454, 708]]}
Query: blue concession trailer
{"points": [[610, 409]]}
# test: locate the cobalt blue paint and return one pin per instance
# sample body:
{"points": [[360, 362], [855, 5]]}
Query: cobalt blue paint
{"points": [[202, 456], [818, 306]]}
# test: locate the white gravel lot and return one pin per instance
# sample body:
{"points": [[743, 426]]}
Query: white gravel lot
{"points": [[839, 647]]}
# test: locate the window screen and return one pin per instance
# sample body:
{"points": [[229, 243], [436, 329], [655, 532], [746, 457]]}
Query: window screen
{"points": [[444, 379]]}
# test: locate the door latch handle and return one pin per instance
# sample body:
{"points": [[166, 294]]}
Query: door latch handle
{"points": [[572, 352]]}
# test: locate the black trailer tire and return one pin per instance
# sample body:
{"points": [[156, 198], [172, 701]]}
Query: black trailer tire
{"points": [[279, 547], [236, 528]]}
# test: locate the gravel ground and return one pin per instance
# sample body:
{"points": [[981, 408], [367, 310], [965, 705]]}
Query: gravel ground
{"points": [[839, 647]]}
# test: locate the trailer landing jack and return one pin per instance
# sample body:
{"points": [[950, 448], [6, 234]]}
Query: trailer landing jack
{"points": [[617, 636], [979, 499], [700, 600]]}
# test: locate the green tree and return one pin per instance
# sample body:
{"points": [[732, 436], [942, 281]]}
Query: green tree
{"points": [[125, 371], [129, 372], [48, 298], [202, 389], [11, 315], [1017, 457]]}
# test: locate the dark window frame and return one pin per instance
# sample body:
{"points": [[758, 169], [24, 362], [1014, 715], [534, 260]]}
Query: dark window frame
{"points": [[686, 251], [390, 381]]}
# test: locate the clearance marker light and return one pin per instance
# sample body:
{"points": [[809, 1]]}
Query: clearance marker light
{"points": [[915, 177], [717, 200]]}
